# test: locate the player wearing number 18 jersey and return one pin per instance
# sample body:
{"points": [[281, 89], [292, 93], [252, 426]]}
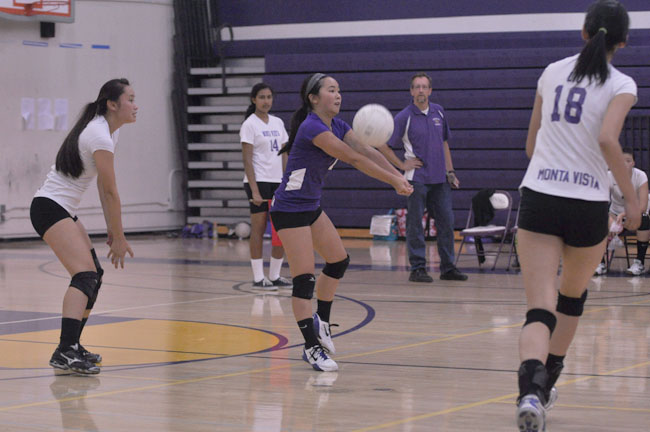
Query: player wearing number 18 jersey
{"points": [[577, 117], [568, 161]]}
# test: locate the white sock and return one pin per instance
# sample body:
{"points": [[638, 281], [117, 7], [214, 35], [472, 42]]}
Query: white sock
{"points": [[276, 266], [258, 269]]}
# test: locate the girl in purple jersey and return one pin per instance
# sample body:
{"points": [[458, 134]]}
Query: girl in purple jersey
{"points": [[316, 141]]}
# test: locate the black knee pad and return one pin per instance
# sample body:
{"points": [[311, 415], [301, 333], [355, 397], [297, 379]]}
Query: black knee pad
{"points": [[336, 270], [541, 315], [645, 223], [303, 286], [100, 273], [100, 270], [86, 282], [570, 305]]}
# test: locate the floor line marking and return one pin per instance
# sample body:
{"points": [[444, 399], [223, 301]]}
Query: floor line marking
{"points": [[58, 316], [142, 388], [597, 407], [432, 341], [254, 371], [463, 335], [498, 399]]}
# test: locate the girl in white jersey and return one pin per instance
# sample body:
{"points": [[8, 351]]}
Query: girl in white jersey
{"points": [[262, 136], [578, 114], [617, 214], [86, 152]]}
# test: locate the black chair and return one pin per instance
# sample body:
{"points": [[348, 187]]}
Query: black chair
{"points": [[513, 243], [502, 203], [609, 254]]}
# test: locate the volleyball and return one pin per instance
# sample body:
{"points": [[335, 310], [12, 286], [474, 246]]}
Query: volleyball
{"points": [[373, 123], [243, 230]]}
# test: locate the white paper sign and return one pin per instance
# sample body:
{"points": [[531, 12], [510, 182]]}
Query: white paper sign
{"points": [[45, 118], [27, 109]]}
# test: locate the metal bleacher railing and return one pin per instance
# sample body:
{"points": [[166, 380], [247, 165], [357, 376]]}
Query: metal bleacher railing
{"points": [[197, 44]]}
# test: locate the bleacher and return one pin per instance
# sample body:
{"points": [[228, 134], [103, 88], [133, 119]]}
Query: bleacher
{"points": [[486, 83], [487, 95]]}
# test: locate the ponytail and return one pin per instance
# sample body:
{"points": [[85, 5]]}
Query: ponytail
{"points": [[250, 110], [607, 24], [311, 85], [68, 159], [254, 91], [297, 118], [592, 61]]}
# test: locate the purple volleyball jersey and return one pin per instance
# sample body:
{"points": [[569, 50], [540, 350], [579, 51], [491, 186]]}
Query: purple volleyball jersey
{"points": [[307, 167], [423, 136]]}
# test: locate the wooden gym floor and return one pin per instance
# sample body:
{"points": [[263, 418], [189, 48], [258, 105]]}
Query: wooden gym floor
{"points": [[188, 345]]}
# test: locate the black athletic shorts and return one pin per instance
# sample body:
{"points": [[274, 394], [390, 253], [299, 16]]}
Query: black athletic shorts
{"points": [[266, 190], [282, 220], [578, 223], [45, 212]]}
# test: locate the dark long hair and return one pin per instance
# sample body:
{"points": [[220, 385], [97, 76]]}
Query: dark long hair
{"points": [[254, 91], [301, 113], [607, 24], [68, 160]]}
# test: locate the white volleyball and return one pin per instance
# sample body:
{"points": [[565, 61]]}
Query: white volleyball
{"points": [[243, 230], [373, 124]]}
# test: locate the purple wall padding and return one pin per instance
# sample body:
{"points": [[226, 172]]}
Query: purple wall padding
{"points": [[486, 82]]}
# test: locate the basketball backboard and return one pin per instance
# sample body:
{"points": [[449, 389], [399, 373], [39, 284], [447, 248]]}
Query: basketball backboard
{"points": [[38, 10]]}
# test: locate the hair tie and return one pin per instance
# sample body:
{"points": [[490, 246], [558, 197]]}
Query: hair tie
{"points": [[312, 82], [603, 29]]}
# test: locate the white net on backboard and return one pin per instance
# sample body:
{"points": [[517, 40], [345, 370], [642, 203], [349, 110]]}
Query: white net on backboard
{"points": [[39, 10]]}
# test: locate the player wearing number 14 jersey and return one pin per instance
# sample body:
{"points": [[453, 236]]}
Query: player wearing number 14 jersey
{"points": [[579, 111], [262, 136]]}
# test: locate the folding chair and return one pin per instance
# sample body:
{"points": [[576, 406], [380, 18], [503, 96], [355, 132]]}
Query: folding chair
{"points": [[513, 244], [609, 254], [502, 203], [625, 236]]}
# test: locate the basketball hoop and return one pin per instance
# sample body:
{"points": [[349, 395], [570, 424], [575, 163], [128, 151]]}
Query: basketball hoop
{"points": [[38, 10], [36, 7]]}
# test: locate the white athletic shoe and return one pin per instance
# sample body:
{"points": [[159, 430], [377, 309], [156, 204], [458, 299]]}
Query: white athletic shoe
{"points": [[552, 398], [318, 359], [601, 269], [322, 330], [531, 416], [636, 268]]}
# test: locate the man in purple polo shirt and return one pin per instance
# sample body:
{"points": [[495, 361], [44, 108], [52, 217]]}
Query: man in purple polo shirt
{"points": [[422, 129]]}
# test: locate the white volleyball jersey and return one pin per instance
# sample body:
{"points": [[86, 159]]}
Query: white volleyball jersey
{"points": [[617, 201], [67, 191], [267, 139], [567, 160]]}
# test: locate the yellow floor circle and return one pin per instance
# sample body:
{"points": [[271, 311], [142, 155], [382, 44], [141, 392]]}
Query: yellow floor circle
{"points": [[140, 341]]}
